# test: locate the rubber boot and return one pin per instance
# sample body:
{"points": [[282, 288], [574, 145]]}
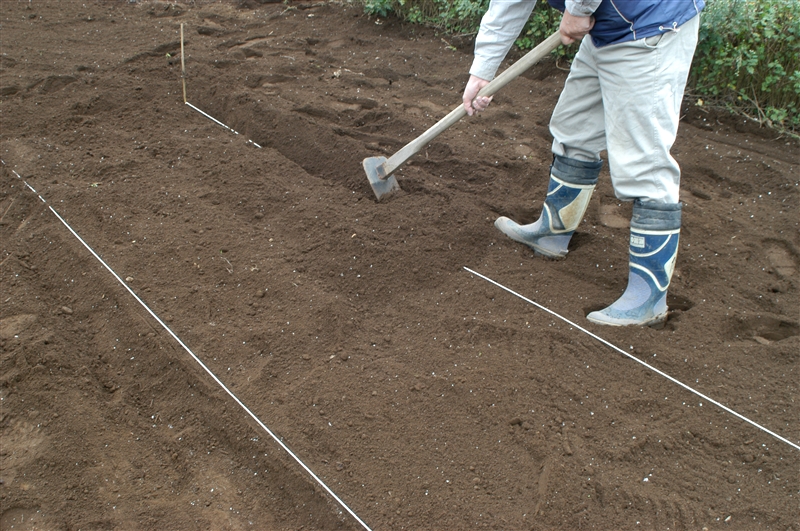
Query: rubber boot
{"points": [[571, 185], [655, 230]]}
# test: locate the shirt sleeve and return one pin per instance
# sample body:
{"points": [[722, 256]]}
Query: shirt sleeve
{"points": [[582, 8], [500, 26]]}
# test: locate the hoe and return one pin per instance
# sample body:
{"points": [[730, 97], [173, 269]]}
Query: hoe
{"points": [[379, 169]]}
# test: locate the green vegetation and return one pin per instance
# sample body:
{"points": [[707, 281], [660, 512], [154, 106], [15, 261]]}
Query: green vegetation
{"points": [[748, 57], [452, 16]]}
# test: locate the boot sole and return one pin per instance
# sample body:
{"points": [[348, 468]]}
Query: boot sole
{"points": [[656, 323], [553, 257], [538, 251]]}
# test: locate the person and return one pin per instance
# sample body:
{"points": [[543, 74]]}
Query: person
{"points": [[623, 94]]}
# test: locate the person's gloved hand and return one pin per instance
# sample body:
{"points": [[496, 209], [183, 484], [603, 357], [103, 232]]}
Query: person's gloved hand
{"points": [[574, 28], [472, 102]]}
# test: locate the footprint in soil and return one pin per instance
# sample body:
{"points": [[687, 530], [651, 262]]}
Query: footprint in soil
{"points": [[610, 216], [15, 324], [780, 258], [764, 329]]}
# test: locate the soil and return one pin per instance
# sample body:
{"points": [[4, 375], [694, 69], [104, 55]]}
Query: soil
{"points": [[422, 395]]}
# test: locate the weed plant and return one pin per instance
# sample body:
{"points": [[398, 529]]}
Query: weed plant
{"points": [[748, 58]]}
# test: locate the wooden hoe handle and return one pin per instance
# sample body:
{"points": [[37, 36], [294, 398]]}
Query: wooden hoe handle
{"points": [[511, 73]]}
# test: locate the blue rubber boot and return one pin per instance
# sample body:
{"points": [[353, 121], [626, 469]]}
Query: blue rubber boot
{"points": [[571, 185], [655, 230]]}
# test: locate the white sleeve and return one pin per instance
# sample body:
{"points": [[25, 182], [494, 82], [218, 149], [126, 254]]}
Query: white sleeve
{"points": [[582, 8], [500, 26]]}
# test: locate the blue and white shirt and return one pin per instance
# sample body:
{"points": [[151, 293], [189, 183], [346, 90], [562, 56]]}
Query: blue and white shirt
{"points": [[616, 21]]}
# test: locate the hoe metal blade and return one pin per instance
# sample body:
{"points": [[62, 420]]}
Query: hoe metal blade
{"points": [[381, 184]]}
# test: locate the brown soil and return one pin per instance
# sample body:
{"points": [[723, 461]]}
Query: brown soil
{"points": [[423, 396]]}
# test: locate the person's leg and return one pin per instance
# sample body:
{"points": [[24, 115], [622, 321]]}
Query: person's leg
{"points": [[571, 185], [643, 84], [578, 120], [655, 231], [577, 128]]}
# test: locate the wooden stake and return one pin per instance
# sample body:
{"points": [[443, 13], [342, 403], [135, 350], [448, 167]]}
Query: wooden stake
{"points": [[183, 67]]}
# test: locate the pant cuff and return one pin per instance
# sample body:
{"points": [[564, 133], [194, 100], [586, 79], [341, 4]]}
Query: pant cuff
{"points": [[576, 171], [649, 215]]}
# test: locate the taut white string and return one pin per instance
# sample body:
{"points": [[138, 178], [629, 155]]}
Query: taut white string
{"points": [[235, 132], [198, 360], [637, 360]]}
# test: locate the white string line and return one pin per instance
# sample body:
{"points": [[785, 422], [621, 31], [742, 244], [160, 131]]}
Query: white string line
{"points": [[637, 360], [192, 354], [218, 122]]}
